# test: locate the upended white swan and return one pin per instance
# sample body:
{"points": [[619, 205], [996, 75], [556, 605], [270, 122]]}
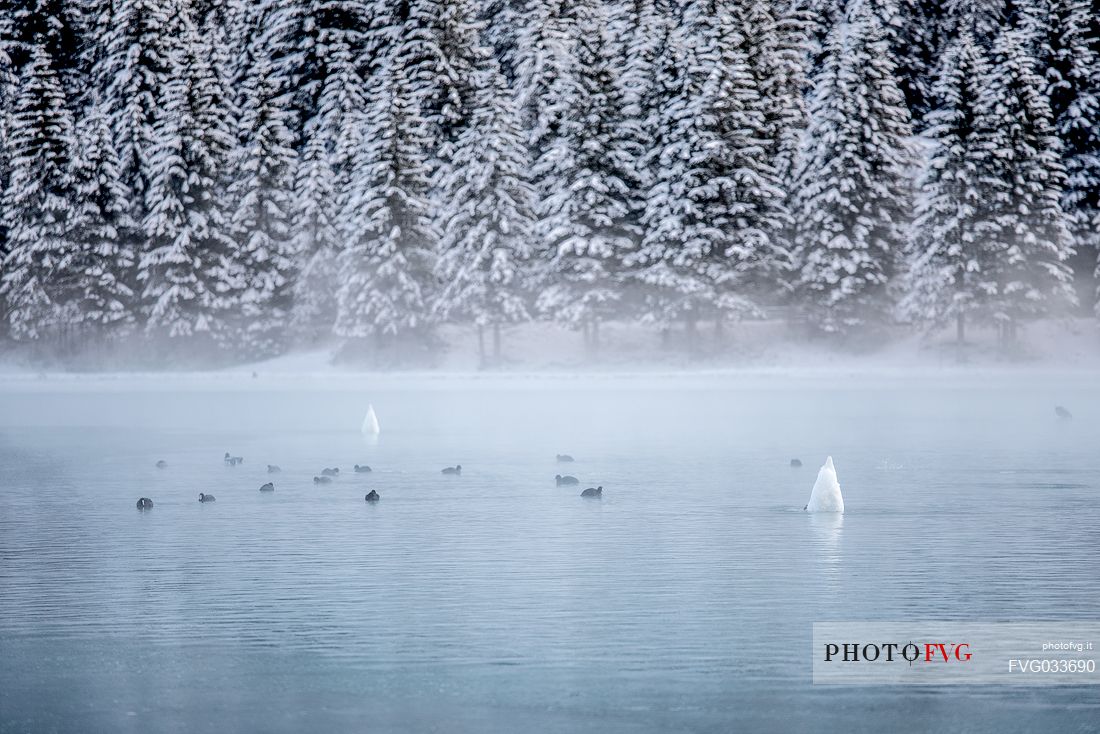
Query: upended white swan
{"points": [[370, 423], [826, 496]]}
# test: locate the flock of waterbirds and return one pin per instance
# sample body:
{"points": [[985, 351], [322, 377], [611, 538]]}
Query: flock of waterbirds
{"points": [[824, 497], [328, 474]]}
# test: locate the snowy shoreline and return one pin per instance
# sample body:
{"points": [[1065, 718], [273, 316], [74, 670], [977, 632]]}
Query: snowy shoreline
{"points": [[541, 354], [736, 378]]}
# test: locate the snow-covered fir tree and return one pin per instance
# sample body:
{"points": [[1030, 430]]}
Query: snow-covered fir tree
{"points": [[303, 35], [678, 234], [386, 263], [982, 18], [188, 275], [1031, 235], [322, 53], [442, 41], [852, 190], [715, 211], [819, 18], [485, 225], [262, 193], [139, 59], [9, 89], [758, 121], [642, 30], [913, 37], [225, 26], [325, 182], [502, 19], [920, 46], [1065, 36], [102, 264], [316, 241], [587, 176], [545, 68], [777, 40], [37, 283], [950, 263], [56, 26], [781, 63], [341, 99]]}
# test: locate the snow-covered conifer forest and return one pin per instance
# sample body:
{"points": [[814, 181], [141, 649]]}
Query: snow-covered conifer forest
{"points": [[245, 177]]}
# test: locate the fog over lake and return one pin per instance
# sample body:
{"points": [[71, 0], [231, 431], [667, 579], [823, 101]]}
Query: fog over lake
{"points": [[496, 601]]}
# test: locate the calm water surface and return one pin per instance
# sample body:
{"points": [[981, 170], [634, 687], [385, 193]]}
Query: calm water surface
{"points": [[495, 601]]}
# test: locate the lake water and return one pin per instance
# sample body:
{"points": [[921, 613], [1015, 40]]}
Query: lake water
{"points": [[495, 601]]}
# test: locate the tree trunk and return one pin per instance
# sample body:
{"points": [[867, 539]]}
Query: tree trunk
{"points": [[481, 346], [692, 333], [1007, 333], [496, 343], [587, 337], [595, 337], [960, 327]]}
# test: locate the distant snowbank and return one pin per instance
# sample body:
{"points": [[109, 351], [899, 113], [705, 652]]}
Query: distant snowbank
{"points": [[368, 385], [545, 355]]}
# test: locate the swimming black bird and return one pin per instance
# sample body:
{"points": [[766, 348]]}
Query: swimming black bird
{"points": [[206, 497], [326, 472], [362, 469], [269, 487], [593, 492], [1062, 412], [162, 464], [322, 480], [566, 481], [145, 503], [372, 496], [795, 463], [233, 460], [272, 469], [457, 469], [565, 458]]}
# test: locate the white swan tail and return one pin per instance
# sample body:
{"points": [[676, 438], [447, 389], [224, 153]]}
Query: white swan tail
{"points": [[826, 496], [370, 423]]}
